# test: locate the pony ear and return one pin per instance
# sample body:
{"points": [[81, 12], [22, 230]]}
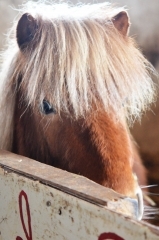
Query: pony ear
{"points": [[121, 22], [26, 29]]}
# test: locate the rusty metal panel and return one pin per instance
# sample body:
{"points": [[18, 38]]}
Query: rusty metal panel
{"points": [[30, 209]]}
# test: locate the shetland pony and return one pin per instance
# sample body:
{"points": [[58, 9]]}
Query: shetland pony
{"points": [[71, 79]]}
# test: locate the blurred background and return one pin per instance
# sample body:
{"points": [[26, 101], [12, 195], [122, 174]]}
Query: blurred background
{"points": [[144, 17]]}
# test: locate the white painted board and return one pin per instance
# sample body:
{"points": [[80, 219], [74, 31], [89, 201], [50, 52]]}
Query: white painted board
{"points": [[30, 209]]}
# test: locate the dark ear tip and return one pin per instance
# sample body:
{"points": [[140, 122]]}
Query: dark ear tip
{"points": [[121, 22], [120, 15], [26, 29]]}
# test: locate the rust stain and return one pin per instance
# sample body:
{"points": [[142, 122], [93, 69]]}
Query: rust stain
{"points": [[72, 219], [52, 195], [48, 203], [60, 211], [3, 219]]}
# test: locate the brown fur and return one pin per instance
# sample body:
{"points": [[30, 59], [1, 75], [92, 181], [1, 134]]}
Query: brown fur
{"points": [[95, 147]]}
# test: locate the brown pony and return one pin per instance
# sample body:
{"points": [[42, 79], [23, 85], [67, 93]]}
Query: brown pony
{"points": [[70, 80]]}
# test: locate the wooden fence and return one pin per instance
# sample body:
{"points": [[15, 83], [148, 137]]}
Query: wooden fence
{"points": [[41, 202]]}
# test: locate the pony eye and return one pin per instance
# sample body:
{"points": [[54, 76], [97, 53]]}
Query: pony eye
{"points": [[47, 108]]}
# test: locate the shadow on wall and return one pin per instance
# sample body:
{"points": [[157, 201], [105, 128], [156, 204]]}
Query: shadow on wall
{"points": [[145, 28]]}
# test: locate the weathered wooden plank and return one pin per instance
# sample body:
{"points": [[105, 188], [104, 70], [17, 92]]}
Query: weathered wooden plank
{"points": [[70, 183]]}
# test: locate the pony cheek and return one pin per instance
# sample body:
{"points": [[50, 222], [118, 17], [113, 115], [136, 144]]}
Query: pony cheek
{"points": [[56, 132]]}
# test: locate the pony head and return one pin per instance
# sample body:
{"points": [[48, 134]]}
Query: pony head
{"points": [[82, 54]]}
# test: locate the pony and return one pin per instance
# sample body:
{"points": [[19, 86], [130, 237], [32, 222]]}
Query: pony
{"points": [[71, 80]]}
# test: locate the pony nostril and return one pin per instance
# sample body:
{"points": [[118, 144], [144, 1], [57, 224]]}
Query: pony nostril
{"points": [[46, 108], [140, 204]]}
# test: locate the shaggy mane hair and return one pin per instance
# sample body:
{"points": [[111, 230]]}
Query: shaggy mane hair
{"points": [[76, 60]]}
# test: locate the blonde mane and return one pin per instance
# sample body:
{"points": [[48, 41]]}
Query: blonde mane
{"points": [[78, 60]]}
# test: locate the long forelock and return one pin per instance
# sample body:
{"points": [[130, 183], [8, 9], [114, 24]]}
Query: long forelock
{"points": [[80, 61]]}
